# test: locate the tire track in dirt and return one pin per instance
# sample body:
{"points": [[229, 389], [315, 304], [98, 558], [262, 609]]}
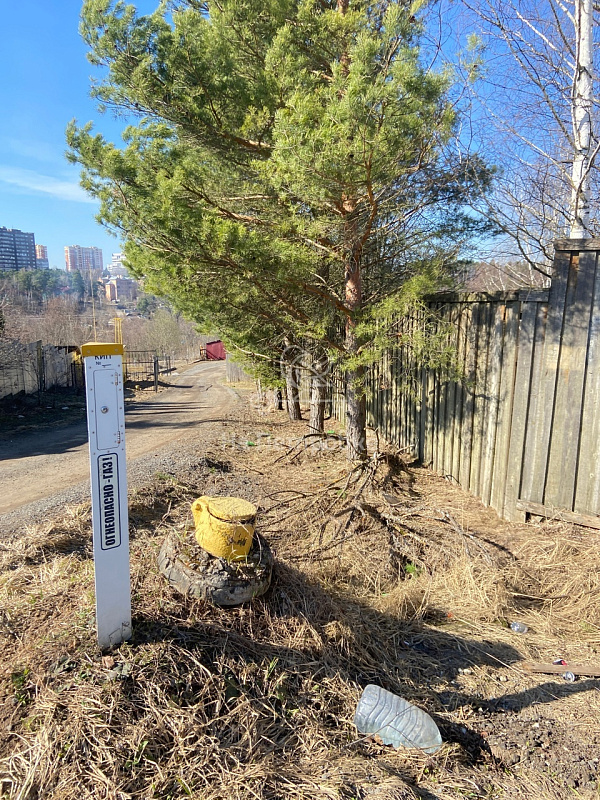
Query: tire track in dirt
{"points": [[40, 472]]}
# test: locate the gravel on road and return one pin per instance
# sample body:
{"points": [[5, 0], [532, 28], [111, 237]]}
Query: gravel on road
{"points": [[167, 433]]}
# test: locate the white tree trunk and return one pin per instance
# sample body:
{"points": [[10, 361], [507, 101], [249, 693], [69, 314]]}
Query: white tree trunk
{"points": [[582, 119]]}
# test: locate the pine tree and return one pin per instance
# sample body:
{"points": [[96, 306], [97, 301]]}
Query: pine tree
{"points": [[290, 166], [78, 285]]}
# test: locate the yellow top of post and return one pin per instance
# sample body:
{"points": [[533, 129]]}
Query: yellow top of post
{"points": [[101, 349]]}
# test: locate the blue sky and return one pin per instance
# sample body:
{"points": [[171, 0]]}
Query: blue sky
{"points": [[44, 83]]}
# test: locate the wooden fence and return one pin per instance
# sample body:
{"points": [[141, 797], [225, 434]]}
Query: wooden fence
{"points": [[233, 372], [521, 430], [35, 367]]}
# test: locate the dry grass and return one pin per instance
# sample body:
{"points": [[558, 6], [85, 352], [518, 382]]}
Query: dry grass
{"points": [[257, 702]]}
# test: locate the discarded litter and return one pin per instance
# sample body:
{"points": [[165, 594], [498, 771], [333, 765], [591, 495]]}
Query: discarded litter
{"points": [[518, 627], [568, 675], [395, 721]]}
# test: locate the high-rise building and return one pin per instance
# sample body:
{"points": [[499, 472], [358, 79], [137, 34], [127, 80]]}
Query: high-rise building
{"points": [[83, 259], [116, 267], [41, 257], [17, 249]]}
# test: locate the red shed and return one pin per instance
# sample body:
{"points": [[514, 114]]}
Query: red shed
{"points": [[215, 351]]}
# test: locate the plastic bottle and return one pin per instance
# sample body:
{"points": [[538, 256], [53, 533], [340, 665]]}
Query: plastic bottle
{"points": [[395, 720], [518, 627]]}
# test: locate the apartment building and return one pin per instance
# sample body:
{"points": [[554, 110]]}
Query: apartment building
{"points": [[41, 257], [83, 259], [17, 249]]}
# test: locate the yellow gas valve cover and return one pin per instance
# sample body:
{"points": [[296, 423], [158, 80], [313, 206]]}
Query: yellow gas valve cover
{"points": [[224, 526]]}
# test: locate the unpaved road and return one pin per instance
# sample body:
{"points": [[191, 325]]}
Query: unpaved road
{"points": [[42, 471]]}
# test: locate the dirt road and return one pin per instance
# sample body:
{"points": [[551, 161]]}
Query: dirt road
{"points": [[38, 467]]}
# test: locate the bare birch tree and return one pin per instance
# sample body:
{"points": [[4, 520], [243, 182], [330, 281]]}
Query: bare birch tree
{"points": [[583, 96], [533, 108]]}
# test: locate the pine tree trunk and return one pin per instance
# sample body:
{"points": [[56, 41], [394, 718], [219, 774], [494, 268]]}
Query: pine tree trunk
{"points": [[292, 380], [318, 392], [356, 407], [292, 377]]}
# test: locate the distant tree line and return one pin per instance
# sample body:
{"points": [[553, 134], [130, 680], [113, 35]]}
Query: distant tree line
{"points": [[27, 287]]}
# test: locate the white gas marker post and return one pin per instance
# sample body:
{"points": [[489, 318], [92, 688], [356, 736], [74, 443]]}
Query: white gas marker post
{"points": [[106, 429]]}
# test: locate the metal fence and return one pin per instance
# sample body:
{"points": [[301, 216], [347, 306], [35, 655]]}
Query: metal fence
{"points": [[145, 366]]}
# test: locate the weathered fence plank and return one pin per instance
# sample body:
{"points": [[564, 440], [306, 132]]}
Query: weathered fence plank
{"points": [[479, 396], [587, 496], [531, 448], [427, 415], [505, 405], [564, 438], [413, 406], [492, 388], [388, 395], [540, 425], [468, 395], [554, 513], [439, 408], [521, 394], [396, 393], [455, 400]]}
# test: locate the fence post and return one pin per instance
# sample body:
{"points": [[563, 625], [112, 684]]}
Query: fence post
{"points": [[571, 366], [40, 367], [155, 364]]}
